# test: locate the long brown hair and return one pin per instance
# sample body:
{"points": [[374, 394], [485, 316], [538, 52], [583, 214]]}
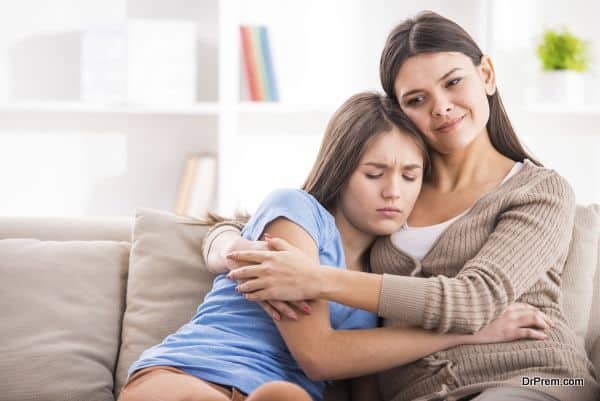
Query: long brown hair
{"points": [[429, 32], [349, 131]]}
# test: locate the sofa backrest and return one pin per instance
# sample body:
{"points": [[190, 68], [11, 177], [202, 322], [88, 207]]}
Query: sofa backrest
{"points": [[67, 228], [581, 277], [62, 301]]}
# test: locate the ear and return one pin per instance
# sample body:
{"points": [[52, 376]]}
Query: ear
{"points": [[486, 70]]}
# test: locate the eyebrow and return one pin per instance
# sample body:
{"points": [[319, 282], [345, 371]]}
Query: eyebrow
{"points": [[383, 165], [441, 79]]}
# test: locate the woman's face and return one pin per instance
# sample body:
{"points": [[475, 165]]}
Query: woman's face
{"points": [[445, 95], [382, 190]]}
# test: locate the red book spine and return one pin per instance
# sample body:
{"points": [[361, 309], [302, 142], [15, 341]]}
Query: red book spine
{"points": [[250, 63]]}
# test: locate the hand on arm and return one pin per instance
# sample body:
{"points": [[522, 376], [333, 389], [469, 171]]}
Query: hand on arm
{"points": [[225, 239], [219, 241], [287, 274], [323, 353]]}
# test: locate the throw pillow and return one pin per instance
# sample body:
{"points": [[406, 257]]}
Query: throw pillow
{"points": [[167, 281]]}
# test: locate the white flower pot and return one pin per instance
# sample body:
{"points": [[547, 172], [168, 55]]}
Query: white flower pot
{"points": [[561, 86]]}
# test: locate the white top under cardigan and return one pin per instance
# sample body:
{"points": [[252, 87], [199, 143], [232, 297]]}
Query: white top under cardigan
{"points": [[417, 241]]}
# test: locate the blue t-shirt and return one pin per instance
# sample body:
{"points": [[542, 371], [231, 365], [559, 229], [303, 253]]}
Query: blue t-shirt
{"points": [[232, 341]]}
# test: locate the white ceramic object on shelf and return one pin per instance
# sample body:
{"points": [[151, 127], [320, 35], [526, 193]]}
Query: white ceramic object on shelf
{"points": [[561, 87]]}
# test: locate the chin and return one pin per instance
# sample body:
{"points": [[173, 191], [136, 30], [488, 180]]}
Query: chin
{"points": [[386, 228]]}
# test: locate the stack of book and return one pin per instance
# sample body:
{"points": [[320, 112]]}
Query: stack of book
{"points": [[259, 74], [197, 186]]}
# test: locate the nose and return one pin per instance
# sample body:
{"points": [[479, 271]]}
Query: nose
{"points": [[442, 106], [392, 188]]}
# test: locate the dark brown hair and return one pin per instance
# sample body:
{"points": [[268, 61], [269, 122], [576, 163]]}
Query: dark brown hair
{"points": [[348, 134], [349, 131], [429, 32]]}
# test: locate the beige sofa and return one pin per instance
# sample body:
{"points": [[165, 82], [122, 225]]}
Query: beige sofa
{"points": [[82, 297]]}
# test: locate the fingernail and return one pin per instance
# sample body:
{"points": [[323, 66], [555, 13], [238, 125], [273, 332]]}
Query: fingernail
{"points": [[276, 317], [267, 236], [229, 256], [237, 288], [306, 309], [293, 316]]}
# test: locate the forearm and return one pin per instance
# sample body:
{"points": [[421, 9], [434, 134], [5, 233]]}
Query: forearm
{"points": [[214, 249], [530, 237], [355, 289], [379, 349]]}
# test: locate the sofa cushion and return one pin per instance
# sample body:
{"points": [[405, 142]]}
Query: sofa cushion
{"points": [[167, 281], [580, 267], [593, 331], [64, 302]]}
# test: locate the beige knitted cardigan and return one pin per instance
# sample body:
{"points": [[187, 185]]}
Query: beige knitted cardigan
{"points": [[510, 246]]}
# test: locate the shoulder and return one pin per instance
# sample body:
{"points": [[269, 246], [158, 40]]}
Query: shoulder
{"points": [[535, 193], [294, 205], [545, 183], [290, 197]]}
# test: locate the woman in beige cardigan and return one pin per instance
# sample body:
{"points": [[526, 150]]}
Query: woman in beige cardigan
{"points": [[490, 227]]}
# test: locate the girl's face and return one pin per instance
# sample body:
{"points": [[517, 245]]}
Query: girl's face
{"points": [[382, 190], [445, 95]]}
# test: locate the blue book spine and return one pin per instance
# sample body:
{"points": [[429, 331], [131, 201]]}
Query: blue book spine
{"points": [[268, 62]]}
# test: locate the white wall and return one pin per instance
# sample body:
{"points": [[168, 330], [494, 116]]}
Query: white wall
{"points": [[90, 163]]}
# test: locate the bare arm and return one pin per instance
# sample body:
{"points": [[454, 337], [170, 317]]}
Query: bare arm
{"points": [[529, 242], [322, 352], [505, 267]]}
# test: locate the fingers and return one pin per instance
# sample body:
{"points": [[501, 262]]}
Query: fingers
{"points": [[270, 310], [531, 333], [256, 296], [277, 244], [535, 319], [249, 255], [250, 286], [303, 306], [245, 273], [534, 313], [284, 309]]}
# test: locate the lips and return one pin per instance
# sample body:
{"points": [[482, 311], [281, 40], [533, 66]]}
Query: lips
{"points": [[389, 209], [449, 125], [389, 212]]}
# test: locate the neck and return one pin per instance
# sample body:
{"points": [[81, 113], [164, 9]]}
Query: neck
{"points": [[354, 241], [477, 163]]}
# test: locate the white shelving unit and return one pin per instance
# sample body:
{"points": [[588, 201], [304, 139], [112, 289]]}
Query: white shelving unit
{"points": [[322, 54]]}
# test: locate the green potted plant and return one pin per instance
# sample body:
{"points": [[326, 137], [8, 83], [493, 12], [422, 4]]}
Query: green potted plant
{"points": [[564, 58]]}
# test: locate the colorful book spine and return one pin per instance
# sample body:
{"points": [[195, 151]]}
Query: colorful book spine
{"points": [[258, 63], [268, 63], [250, 63], [262, 70]]}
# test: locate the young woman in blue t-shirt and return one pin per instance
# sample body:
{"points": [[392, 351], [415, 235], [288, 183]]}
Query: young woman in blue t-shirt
{"points": [[364, 183]]}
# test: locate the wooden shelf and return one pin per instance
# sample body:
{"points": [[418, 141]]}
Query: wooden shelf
{"points": [[206, 108]]}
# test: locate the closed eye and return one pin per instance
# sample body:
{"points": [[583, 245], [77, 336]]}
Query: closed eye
{"points": [[373, 176], [453, 82], [415, 101]]}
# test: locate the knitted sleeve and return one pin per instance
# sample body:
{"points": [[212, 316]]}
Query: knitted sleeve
{"points": [[530, 237], [215, 231]]}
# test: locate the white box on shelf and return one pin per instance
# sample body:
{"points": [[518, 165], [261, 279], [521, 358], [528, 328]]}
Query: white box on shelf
{"points": [[162, 62], [140, 62], [104, 64]]}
